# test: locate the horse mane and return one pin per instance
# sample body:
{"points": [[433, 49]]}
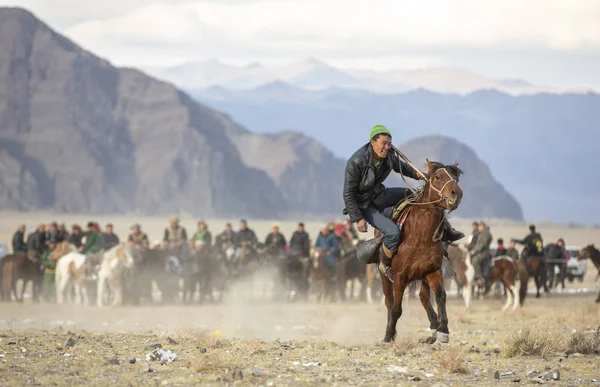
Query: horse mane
{"points": [[451, 168], [62, 249]]}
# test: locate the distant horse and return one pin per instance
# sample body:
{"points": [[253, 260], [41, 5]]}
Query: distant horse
{"points": [[511, 273], [152, 266], [321, 276], [420, 254], [70, 275], [355, 272], [534, 264], [206, 269], [17, 266], [293, 276], [114, 263], [592, 253]]}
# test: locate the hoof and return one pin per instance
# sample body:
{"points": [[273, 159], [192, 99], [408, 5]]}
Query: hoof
{"points": [[443, 337], [388, 340]]}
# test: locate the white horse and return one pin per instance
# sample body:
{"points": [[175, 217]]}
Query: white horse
{"points": [[70, 274], [114, 262]]}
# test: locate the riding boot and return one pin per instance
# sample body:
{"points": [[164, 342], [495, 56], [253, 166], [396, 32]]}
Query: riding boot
{"points": [[367, 251], [449, 234]]}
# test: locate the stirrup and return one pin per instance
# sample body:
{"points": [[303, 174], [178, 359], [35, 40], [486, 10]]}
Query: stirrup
{"points": [[387, 271]]}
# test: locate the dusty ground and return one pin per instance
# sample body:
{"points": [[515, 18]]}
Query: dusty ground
{"points": [[277, 344]]}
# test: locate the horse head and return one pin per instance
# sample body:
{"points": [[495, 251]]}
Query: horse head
{"points": [[316, 255], [587, 252], [443, 180]]}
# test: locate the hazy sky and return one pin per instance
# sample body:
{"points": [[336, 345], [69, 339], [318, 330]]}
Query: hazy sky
{"points": [[547, 42]]}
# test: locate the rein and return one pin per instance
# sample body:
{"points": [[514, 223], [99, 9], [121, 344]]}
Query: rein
{"points": [[437, 235]]}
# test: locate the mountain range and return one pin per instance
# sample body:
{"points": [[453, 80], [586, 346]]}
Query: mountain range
{"points": [[314, 74], [539, 146], [80, 135]]}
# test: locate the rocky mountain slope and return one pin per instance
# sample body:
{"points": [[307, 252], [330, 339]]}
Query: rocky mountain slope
{"points": [[77, 134]]}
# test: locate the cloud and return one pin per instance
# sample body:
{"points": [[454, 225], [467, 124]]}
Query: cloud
{"points": [[350, 32], [330, 23], [151, 24]]}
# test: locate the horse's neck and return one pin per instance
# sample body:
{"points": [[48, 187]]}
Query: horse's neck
{"points": [[423, 220]]}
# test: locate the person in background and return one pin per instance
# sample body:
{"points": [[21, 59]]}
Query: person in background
{"points": [[36, 243], [557, 258], [18, 241], [300, 242], [110, 238], [63, 234], [328, 242], [49, 264], [92, 240], [275, 242], [202, 238], [512, 250], [76, 235], [53, 233], [501, 250], [226, 238], [138, 238], [480, 253]]}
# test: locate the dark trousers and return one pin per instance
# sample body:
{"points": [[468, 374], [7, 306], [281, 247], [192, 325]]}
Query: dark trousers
{"points": [[379, 212]]}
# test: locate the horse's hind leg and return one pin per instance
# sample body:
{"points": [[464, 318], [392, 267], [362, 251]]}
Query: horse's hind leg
{"points": [[435, 281], [510, 294]]}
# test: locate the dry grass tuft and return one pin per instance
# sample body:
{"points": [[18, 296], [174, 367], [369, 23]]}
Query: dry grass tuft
{"points": [[528, 343], [587, 344], [451, 361], [407, 347], [217, 363], [201, 338]]}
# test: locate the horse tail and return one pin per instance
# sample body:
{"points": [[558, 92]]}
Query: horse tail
{"points": [[523, 277]]}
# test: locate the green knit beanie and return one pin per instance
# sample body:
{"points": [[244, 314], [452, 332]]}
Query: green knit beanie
{"points": [[379, 129]]}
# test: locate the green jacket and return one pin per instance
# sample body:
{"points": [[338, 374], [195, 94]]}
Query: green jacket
{"points": [[48, 263], [482, 245], [92, 243]]}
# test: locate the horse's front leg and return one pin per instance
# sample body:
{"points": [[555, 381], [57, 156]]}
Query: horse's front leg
{"points": [[435, 281], [388, 292], [425, 297]]}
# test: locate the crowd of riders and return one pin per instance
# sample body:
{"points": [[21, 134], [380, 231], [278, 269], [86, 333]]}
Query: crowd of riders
{"points": [[554, 254]]}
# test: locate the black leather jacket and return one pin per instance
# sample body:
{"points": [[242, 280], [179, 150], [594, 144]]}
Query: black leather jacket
{"points": [[363, 181]]}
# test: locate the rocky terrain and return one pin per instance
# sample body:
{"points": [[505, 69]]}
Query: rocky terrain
{"points": [[292, 345]]}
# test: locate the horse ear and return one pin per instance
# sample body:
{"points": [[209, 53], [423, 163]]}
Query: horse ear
{"points": [[429, 167]]}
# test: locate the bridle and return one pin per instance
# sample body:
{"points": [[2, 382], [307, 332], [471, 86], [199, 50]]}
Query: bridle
{"points": [[440, 192]]}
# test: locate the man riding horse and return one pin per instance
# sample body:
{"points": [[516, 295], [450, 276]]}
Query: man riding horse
{"points": [[368, 201]]}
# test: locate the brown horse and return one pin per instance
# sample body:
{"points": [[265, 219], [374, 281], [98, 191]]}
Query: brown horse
{"points": [[15, 267], [320, 275], [533, 266], [592, 253], [505, 269], [419, 256]]}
